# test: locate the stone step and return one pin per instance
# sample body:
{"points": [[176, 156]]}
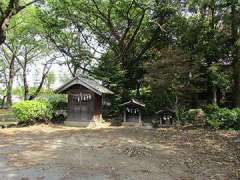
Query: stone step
{"points": [[7, 117], [7, 124]]}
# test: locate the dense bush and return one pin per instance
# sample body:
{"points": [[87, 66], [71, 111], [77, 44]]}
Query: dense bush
{"points": [[31, 112], [223, 118], [193, 116], [183, 116], [59, 104], [57, 101], [155, 100], [210, 108], [189, 116], [1, 102]]}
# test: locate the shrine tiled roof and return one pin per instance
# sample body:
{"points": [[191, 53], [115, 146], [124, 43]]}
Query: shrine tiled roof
{"points": [[87, 82]]}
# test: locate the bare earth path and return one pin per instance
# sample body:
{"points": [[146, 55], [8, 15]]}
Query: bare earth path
{"points": [[56, 152]]}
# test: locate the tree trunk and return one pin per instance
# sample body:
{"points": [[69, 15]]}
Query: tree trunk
{"points": [[236, 61], [3, 102], [12, 9], [4, 23], [236, 76], [26, 90], [214, 95], [2, 36], [35, 94], [24, 74], [10, 82]]}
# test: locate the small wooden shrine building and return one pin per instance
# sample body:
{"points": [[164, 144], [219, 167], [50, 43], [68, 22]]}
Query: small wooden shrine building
{"points": [[167, 117], [84, 100], [132, 112]]}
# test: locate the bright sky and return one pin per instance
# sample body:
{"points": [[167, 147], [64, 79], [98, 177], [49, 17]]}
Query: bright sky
{"points": [[35, 74]]}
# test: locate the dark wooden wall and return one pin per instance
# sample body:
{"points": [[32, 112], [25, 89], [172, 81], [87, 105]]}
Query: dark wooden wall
{"points": [[83, 111], [132, 117]]}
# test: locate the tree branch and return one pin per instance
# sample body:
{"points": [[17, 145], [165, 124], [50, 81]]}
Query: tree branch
{"points": [[136, 30]]}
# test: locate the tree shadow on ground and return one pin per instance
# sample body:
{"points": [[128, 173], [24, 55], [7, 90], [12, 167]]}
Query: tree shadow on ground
{"points": [[57, 152]]}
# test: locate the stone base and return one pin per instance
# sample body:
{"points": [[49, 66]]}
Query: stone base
{"points": [[148, 125], [77, 124], [95, 123], [131, 124]]}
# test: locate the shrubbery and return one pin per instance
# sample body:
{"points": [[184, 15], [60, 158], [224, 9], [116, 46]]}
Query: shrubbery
{"points": [[59, 104], [184, 116], [1, 102], [223, 118], [193, 116], [57, 101], [217, 118], [31, 112]]}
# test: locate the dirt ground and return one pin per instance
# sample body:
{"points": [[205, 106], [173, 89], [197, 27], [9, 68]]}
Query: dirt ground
{"points": [[58, 152]]}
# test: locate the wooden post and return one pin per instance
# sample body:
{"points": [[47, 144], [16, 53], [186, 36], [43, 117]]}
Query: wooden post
{"points": [[140, 118], [124, 115], [160, 122]]}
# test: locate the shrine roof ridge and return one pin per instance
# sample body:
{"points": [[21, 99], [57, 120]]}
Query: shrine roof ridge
{"points": [[87, 82], [134, 101]]}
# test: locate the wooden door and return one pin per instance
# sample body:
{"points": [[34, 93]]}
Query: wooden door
{"points": [[81, 110], [86, 110]]}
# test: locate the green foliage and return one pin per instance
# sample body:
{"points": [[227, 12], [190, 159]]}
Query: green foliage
{"points": [[192, 113], [215, 123], [223, 118], [156, 99], [17, 91], [112, 76], [188, 116], [57, 101], [56, 19], [210, 108], [31, 112], [126, 30], [181, 50], [50, 80], [1, 101], [218, 78]]}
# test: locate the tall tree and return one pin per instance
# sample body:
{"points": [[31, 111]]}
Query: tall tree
{"points": [[208, 44], [8, 9], [126, 30], [26, 47], [235, 37], [65, 36], [8, 57]]}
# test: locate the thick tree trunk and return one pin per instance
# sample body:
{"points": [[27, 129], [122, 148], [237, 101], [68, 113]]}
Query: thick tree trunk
{"points": [[26, 90], [2, 37], [10, 82], [3, 102], [214, 95], [209, 89], [236, 61], [236, 76], [24, 74], [12, 9], [4, 22], [125, 65]]}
